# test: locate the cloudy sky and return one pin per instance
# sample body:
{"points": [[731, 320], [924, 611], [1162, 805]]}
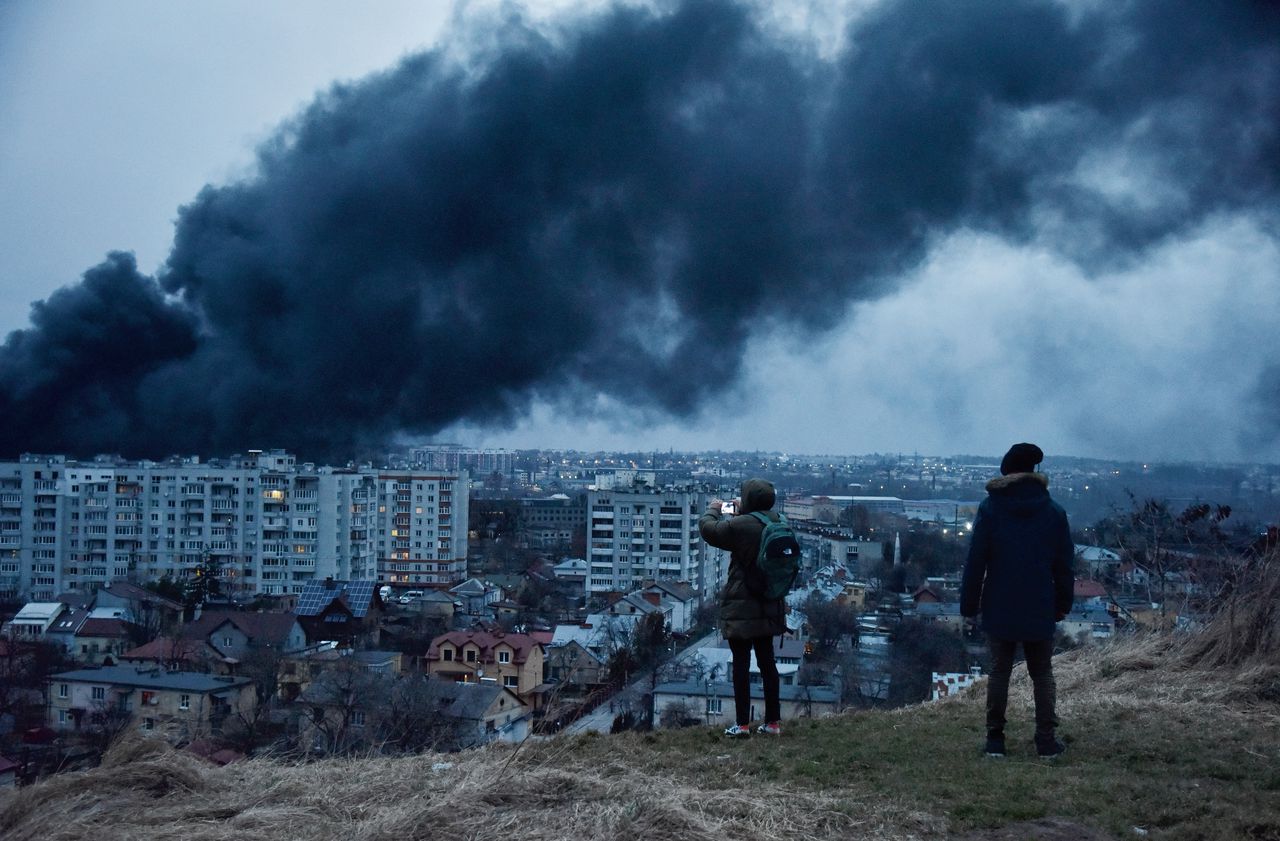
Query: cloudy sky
{"points": [[907, 226]]}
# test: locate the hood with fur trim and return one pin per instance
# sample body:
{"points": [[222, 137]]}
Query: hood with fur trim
{"points": [[1021, 494]]}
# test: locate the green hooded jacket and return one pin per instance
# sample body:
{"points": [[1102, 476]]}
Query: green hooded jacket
{"points": [[743, 615]]}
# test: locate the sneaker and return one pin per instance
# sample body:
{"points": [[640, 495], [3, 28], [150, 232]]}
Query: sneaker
{"points": [[770, 728], [738, 731], [1050, 748], [995, 746]]}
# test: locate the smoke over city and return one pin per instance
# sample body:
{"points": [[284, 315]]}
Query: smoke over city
{"points": [[629, 204]]}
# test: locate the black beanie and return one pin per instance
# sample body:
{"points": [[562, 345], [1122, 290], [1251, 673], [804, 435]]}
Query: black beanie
{"points": [[1021, 458]]}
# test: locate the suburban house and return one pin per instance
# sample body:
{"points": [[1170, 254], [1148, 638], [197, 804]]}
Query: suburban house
{"points": [[571, 664], [437, 604], [476, 595], [482, 712], [179, 654], [1086, 590], [63, 630], [342, 714], [339, 611], [639, 605], [102, 638], [1088, 623], [711, 701], [946, 614], [679, 599], [33, 620], [139, 605], [234, 633], [572, 571], [514, 661], [188, 703], [600, 634]]}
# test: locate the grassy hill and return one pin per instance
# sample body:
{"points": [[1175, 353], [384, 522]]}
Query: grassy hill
{"points": [[1167, 738]]}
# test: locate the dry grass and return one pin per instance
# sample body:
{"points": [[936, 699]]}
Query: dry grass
{"points": [[145, 790], [1134, 708]]}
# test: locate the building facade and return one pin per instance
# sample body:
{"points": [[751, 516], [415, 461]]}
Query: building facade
{"points": [[422, 527], [639, 534], [266, 523]]}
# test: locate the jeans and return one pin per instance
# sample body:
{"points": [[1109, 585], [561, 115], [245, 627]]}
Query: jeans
{"points": [[741, 649], [1039, 654]]}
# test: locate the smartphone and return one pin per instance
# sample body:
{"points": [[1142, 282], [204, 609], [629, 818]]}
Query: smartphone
{"points": [[728, 509]]}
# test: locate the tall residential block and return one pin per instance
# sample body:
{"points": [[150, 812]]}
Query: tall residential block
{"points": [[639, 533], [266, 523], [422, 527]]}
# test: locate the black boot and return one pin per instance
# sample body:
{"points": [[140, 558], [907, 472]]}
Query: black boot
{"points": [[1049, 747], [995, 743]]}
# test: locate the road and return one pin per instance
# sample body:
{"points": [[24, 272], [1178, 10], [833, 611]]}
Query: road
{"points": [[601, 720]]}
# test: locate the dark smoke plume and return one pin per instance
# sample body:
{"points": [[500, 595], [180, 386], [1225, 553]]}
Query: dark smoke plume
{"points": [[610, 208]]}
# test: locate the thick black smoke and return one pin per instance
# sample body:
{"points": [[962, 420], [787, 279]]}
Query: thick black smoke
{"points": [[623, 207]]}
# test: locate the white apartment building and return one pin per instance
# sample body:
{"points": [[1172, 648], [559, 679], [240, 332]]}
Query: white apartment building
{"points": [[638, 534], [422, 527], [270, 523]]}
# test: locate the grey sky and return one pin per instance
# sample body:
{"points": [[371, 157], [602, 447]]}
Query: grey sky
{"points": [[117, 113]]}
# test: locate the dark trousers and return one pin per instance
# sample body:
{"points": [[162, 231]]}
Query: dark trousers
{"points": [[1039, 654], [742, 649]]}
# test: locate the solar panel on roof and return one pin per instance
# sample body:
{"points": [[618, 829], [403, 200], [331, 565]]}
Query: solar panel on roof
{"points": [[317, 595]]}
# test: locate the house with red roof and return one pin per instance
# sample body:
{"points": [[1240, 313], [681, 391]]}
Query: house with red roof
{"points": [[514, 661], [1087, 590]]}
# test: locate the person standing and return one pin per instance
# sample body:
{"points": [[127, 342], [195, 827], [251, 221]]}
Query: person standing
{"points": [[1018, 577], [747, 621]]}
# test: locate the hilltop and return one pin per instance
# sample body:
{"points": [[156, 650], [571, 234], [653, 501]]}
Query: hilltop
{"points": [[1169, 737]]}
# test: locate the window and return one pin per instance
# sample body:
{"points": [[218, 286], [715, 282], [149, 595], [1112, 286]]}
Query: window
{"points": [[99, 693], [510, 681], [148, 724], [504, 656], [184, 702], [471, 655], [447, 654], [63, 690], [715, 706], [357, 718]]}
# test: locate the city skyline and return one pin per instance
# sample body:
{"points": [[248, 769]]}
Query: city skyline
{"points": [[1076, 256]]}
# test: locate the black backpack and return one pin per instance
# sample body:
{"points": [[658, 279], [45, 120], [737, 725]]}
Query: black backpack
{"points": [[778, 561]]}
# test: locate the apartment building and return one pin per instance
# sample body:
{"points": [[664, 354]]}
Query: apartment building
{"points": [[268, 523], [452, 458], [638, 533], [552, 522], [192, 704], [422, 527]]}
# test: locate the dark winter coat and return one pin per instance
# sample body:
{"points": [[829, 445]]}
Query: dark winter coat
{"points": [[1018, 574], [743, 615]]}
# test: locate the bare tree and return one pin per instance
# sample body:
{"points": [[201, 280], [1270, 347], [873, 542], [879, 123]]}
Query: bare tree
{"points": [[341, 702], [412, 718]]}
